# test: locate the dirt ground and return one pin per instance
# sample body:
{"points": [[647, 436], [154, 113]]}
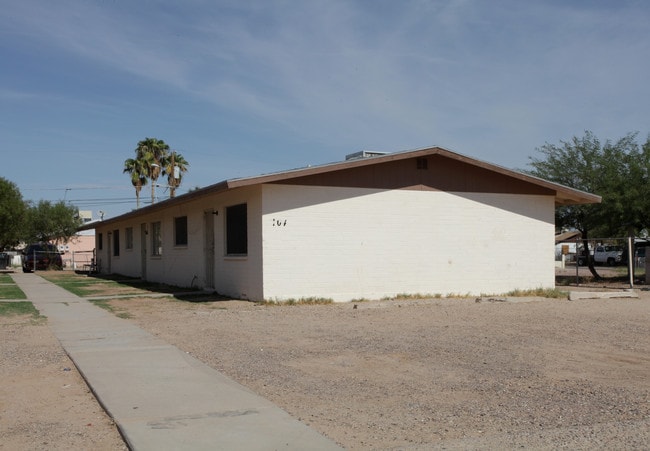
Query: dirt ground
{"points": [[411, 374], [44, 402]]}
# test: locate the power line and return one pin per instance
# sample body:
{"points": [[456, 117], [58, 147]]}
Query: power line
{"points": [[79, 188], [100, 199]]}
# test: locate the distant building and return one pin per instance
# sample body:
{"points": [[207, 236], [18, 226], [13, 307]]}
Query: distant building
{"points": [[79, 250]]}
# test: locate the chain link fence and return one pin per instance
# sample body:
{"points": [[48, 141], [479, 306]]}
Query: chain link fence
{"points": [[82, 260], [616, 260]]}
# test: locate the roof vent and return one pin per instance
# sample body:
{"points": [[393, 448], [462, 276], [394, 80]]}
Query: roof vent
{"points": [[364, 154]]}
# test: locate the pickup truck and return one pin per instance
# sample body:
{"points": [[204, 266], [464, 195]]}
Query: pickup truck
{"points": [[604, 255], [610, 255]]}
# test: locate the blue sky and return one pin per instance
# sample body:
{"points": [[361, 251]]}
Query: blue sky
{"points": [[243, 88]]}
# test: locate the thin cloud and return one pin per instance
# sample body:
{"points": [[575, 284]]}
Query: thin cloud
{"points": [[288, 82]]}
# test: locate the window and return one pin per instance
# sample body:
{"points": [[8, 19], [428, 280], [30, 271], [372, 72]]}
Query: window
{"points": [[100, 241], [116, 243], [156, 238], [236, 230], [128, 236], [180, 231]]}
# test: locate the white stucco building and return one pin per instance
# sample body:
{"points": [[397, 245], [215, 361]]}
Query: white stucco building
{"points": [[428, 221]]}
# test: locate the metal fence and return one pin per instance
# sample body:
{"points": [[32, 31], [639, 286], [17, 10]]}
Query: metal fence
{"points": [[5, 260], [81, 260], [623, 259]]}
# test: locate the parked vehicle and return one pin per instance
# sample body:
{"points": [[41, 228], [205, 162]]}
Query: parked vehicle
{"points": [[41, 256], [609, 255], [581, 258], [603, 255]]}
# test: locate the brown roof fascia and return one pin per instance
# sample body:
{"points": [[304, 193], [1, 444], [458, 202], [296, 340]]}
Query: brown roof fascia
{"points": [[563, 195], [217, 187]]}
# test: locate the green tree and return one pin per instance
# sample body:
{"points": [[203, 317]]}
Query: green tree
{"points": [[138, 173], [50, 222], [609, 170], [13, 211], [637, 191], [174, 176], [153, 153]]}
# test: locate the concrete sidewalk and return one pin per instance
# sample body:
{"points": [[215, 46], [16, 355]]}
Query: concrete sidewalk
{"points": [[160, 397]]}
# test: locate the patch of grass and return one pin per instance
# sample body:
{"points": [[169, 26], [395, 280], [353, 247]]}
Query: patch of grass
{"points": [[11, 292], [79, 284], [538, 292], [416, 296], [106, 305], [80, 288], [103, 303], [85, 286], [406, 297], [554, 293], [300, 301], [20, 308], [6, 278], [127, 297]]}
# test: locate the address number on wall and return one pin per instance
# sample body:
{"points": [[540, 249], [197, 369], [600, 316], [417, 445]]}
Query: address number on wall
{"points": [[279, 222]]}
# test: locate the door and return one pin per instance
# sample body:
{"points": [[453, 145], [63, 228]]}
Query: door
{"points": [[143, 251], [109, 251], [208, 247]]}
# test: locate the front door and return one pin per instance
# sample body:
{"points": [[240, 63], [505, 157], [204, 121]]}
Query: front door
{"points": [[109, 251], [143, 251], [208, 248]]}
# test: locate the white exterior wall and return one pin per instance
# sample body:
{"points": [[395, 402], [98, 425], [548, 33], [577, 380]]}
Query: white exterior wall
{"points": [[240, 277], [176, 265], [350, 243], [184, 266]]}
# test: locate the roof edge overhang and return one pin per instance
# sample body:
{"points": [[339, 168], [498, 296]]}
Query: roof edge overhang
{"points": [[563, 194], [217, 187], [571, 236]]}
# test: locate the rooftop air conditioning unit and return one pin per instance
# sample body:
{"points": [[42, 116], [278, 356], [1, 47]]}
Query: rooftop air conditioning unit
{"points": [[364, 154]]}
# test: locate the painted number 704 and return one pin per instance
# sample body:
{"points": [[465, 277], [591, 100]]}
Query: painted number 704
{"points": [[279, 222]]}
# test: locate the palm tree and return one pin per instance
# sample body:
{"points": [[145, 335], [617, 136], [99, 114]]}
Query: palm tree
{"points": [[136, 169], [154, 154], [174, 176]]}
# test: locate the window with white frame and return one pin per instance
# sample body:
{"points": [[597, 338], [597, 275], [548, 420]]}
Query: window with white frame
{"points": [[156, 238], [128, 238]]}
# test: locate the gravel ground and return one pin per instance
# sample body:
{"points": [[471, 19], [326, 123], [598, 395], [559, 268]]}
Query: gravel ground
{"points": [[411, 375], [435, 374]]}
